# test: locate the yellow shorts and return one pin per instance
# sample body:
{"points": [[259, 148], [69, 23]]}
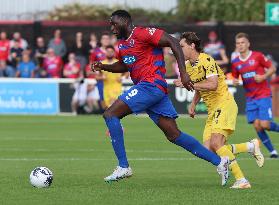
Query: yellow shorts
{"points": [[221, 120], [110, 95]]}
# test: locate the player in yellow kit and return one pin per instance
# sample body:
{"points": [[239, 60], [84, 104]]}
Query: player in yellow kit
{"points": [[112, 81], [209, 84]]}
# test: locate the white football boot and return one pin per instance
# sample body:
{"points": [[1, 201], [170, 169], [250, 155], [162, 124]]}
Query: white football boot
{"points": [[223, 170], [241, 184], [257, 152], [119, 173]]}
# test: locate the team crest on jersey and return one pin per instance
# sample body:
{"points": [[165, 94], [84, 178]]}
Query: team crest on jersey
{"points": [[151, 31], [252, 62], [132, 43]]}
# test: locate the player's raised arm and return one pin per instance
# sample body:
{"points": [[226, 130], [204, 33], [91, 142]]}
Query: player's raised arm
{"points": [[168, 41], [116, 67], [268, 72]]}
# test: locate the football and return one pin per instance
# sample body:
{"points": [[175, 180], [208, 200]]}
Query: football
{"points": [[41, 177]]}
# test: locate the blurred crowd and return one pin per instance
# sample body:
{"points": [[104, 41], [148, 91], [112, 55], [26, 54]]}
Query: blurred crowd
{"points": [[56, 59], [52, 59]]}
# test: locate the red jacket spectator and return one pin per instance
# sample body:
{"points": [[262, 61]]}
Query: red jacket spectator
{"points": [[72, 69], [4, 46], [53, 64]]}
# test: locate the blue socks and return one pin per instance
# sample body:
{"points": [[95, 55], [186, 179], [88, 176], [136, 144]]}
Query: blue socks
{"points": [[265, 140], [117, 140], [274, 127], [196, 148]]}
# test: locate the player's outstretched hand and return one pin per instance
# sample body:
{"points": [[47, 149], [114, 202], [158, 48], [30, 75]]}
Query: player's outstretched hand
{"points": [[187, 83], [235, 82], [178, 83], [96, 66], [191, 110]]}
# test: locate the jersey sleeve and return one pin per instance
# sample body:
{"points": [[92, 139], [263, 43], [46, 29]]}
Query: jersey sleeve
{"points": [[151, 36], [266, 63], [211, 68], [235, 72]]}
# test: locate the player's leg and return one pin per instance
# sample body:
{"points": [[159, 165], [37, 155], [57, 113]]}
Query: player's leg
{"points": [[265, 115], [262, 134], [217, 144], [169, 127], [174, 135], [256, 111], [266, 125], [92, 100], [137, 99], [112, 118], [75, 102]]}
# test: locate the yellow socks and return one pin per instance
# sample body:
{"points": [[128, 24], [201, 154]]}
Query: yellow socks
{"points": [[236, 171], [238, 148]]}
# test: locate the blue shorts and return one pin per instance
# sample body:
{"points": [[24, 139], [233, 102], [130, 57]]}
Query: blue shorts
{"points": [[100, 86], [260, 109], [146, 97]]}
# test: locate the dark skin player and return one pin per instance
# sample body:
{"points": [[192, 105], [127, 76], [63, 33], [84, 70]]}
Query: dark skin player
{"points": [[122, 28]]}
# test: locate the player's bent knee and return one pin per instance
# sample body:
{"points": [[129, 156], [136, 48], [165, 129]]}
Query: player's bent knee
{"points": [[107, 114], [264, 126], [258, 127], [215, 145], [171, 136]]}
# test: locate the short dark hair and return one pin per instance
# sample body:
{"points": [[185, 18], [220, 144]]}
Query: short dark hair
{"points": [[122, 14], [191, 37], [242, 35], [105, 33], [110, 47]]}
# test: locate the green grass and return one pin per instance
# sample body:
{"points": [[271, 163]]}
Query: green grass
{"points": [[80, 155]]}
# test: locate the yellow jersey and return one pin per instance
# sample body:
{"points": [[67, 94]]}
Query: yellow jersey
{"points": [[111, 80], [203, 68]]}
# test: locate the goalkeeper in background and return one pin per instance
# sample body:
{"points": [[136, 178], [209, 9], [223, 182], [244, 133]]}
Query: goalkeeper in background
{"points": [[209, 84]]}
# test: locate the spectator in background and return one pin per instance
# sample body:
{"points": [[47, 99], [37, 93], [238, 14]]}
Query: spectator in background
{"points": [[4, 46], [85, 97], [113, 41], [58, 44], [80, 50], [40, 51], [112, 81], [89, 73], [15, 54], [93, 43], [6, 70], [52, 64], [72, 69], [26, 68], [216, 49], [99, 55], [17, 38]]}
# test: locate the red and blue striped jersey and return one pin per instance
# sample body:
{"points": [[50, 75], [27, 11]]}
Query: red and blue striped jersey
{"points": [[144, 59], [255, 63]]}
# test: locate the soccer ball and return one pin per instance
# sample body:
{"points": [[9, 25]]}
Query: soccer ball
{"points": [[41, 177]]}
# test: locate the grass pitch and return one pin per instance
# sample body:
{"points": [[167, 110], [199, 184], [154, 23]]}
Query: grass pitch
{"points": [[80, 155]]}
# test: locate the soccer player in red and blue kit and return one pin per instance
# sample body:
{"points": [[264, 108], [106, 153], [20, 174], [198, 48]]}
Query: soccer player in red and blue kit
{"points": [[254, 69], [140, 53]]}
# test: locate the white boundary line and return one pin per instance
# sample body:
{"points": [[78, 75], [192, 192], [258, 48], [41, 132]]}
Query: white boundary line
{"points": [[130, 159]]}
